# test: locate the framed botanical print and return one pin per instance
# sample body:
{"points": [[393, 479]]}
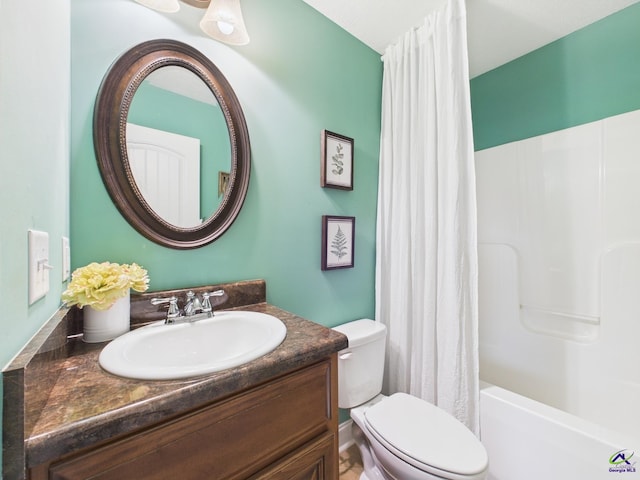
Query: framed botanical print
{"points": [[338, 241], [337, 161]]}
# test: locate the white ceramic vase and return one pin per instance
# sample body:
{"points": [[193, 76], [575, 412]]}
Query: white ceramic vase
{"points": [[104, 325]]}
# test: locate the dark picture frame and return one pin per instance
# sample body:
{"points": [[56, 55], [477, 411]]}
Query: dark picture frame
{"points": [[338, 242], [336, 161]]}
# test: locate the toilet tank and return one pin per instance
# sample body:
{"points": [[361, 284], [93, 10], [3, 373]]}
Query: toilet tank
{"points": [[361, 365]]}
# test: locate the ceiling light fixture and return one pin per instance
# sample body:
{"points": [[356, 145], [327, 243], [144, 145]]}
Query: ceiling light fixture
{"points": [[222, 21]]}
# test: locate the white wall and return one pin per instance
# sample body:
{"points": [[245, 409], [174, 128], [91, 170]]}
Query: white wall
{"points": [[34, 156], [560, 269], [34, 162]]}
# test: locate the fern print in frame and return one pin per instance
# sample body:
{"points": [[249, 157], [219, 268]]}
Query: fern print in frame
{"points": [[338, 241], [336, 161], [339, 244]]}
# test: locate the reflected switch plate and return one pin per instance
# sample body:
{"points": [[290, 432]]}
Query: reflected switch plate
{"points": [[38, 265]]}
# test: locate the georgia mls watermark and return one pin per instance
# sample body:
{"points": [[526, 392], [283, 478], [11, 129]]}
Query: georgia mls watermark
{"points": [[620, 462]]}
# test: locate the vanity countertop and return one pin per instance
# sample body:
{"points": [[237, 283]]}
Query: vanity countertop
{"points": [[87, 405]]}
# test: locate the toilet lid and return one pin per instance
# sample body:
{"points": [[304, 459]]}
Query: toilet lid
{"points": [[426, 434]]}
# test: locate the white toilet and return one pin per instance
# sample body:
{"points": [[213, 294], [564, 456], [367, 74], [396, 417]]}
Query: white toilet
{"points": [[400, 437]]}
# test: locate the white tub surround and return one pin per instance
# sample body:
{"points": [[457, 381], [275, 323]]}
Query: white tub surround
{"points": [[559, 263]]}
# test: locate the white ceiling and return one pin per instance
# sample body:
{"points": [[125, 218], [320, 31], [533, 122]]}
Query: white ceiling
{"points": [[498, 30]]}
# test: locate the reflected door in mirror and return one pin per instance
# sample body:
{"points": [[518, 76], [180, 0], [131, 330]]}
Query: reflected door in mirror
{"points": [[166, 168]]}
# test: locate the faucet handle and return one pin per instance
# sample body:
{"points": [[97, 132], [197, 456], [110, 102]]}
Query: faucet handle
{"points": [[173, 311], [206, 303], [160, 300]]}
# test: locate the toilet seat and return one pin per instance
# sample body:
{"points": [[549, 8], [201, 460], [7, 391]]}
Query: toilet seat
{"points": [[426, 437]]}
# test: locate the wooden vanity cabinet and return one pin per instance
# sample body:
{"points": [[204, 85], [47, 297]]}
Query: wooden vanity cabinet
{"points": [[285, 429]]}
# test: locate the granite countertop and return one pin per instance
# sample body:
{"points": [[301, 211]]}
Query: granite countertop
{"points": [[87, 405]]}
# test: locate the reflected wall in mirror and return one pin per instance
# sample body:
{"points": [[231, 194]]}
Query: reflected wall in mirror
{"points": [[166, 124]]}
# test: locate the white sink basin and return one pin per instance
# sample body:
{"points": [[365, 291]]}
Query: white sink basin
{"points": [[182, 350]]}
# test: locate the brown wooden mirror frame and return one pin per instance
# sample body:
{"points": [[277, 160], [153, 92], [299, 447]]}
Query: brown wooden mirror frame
{"points": [[109, 136]]}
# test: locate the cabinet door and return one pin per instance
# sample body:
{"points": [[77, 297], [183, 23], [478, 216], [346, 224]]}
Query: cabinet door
{"points": [[314, 461]]}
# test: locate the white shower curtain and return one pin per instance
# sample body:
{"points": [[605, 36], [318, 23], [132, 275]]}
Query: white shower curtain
{"points": [[426, 259]]}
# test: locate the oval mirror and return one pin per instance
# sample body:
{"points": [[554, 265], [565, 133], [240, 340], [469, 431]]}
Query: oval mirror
{"points": [[172, 144]]}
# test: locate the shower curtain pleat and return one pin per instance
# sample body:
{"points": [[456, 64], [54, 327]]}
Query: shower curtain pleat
{"points": [[426, 259]]}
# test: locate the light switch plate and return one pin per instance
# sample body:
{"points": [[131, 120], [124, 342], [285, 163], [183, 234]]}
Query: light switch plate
{"points": [[66, 259], [38, 265]]}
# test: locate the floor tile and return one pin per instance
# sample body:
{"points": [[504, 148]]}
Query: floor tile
{"points": [[350, 464]]}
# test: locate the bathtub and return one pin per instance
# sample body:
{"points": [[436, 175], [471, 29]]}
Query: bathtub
{"points": [[528, 440]]}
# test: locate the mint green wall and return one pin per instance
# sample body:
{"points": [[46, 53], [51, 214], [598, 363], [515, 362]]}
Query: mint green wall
{"points": [[300, 73], [34, 158], [591, 74]]}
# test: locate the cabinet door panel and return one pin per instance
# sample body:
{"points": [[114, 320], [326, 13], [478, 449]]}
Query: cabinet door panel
{"points": [[314, 461]]}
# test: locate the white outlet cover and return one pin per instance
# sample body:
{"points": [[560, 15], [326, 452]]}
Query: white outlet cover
{"points": [[66, 259], [38, 265]]}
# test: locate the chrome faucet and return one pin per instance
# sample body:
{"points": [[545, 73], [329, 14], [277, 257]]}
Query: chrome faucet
{"points": [[192, 305], [193, 309]]}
